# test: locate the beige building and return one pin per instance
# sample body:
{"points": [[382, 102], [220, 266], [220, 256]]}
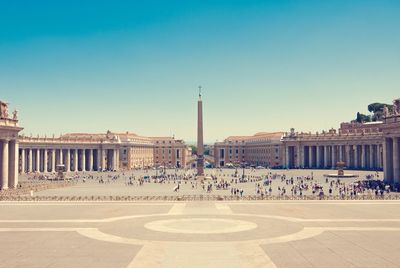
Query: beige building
{"points": [[96, 152], [261, 149], [76, 151], [323, 150], [391, 144], [136, 151], [170, 152]]}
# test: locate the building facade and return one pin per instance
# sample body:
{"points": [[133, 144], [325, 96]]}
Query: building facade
{"points": [[323, 150], [262, 149], [135, 151], [77, 152], [169, 152], [391, 144], [99, 152], [368, 146]]}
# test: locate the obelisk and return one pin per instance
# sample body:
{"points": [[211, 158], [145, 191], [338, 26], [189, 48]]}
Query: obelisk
{"points": [[200, 144]]}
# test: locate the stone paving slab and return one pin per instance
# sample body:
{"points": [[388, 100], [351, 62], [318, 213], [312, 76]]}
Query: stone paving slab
{"points": [[200, 234]]}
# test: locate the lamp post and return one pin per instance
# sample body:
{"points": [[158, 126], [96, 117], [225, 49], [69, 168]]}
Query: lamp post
{"points": [[156, 171], [164, 168]]}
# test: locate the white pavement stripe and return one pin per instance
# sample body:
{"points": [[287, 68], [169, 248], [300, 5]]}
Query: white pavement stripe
{"points": [[309, 232], [150, 255], [368, 229], [201, 255], [303, 234], [84, 220], [84, 203], [177, 209], [293, 219], [252, 255], [223, 208], [40, 229], [312, 202], [96, 234]]}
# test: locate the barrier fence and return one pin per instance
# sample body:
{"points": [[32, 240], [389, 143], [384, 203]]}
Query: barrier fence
{"points": [[27, 197]]}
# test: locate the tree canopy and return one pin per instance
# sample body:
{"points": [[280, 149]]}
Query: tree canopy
{"points": [[376, 109]]}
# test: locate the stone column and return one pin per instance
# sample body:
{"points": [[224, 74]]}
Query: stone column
{"points": [[310, 163], [114, 159], [318, 152], [303, 156], [298, 153], [371, 157], [326, 156], [396, 163], [386, 161], [37, 160], [68, 161], [13, 164], [45, 159], [334, 153], [103, 159], [356, 163], [61, 157], [348, 160], [363, 156], [30, 155], [76, 160], [4, 165], [83, 160], [23, 161], [98, 160], [287, 156], [378, 156], [90, 160], [53, 160]]}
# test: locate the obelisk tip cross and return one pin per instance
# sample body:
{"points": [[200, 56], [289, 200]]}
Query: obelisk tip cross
{"points": [[200, 91]]}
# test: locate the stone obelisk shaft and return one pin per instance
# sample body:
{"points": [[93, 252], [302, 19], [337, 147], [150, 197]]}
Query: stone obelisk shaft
{"points": [[200, 144]]}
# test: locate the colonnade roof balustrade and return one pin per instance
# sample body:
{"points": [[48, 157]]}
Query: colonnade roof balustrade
{"points": [[8, 122], [53, 140], [331, 136]]}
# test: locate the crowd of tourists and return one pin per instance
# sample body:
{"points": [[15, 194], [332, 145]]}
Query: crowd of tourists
{"points": [[222, 182]]}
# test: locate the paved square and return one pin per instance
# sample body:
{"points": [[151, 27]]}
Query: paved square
{"points": [[200, 234]]}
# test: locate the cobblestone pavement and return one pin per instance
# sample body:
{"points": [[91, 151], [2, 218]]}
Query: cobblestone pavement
{"points": [[200, 234]]}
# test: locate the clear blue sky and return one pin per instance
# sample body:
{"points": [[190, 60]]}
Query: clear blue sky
{"points": [[70, 66]]}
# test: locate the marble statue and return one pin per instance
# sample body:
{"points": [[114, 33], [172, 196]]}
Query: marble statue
{"points": [[395, 108], [15, 115], [3, 110], [385, 111]]}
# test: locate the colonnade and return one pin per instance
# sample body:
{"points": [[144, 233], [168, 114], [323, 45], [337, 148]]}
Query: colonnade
{"points": [[8, 163], [391, 155], [355, 156], [42, 160]]}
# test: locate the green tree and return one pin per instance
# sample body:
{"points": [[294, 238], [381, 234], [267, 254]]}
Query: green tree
{"points": [[194, 149]]}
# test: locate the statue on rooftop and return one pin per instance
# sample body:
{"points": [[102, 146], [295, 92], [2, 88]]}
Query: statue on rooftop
{"points": [[396, 107], [385, 111], [15, 115], [3, 110]]}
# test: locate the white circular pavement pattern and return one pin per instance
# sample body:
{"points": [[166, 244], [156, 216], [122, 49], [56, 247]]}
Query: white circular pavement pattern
{"points": [[200, 226]]}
